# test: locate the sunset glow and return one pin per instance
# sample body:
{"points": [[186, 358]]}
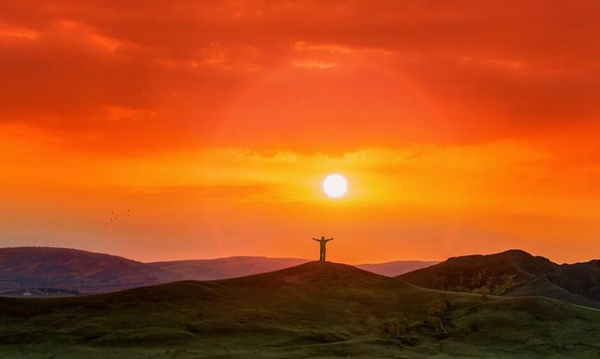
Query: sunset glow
{"points": [[208, 128]]}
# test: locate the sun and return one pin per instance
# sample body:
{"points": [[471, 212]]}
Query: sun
{"points": [[335, 186]]}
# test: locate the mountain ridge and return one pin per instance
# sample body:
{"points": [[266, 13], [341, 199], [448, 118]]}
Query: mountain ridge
{"points": [[23, 269], [513, 272], [209, 269], [30, 267]]}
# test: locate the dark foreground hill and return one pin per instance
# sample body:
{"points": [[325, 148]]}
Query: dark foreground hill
{"points": [[71, 269], [514, 273], [315, 310]]}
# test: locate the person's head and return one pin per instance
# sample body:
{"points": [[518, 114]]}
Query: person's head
{"points": [[322, 237]]}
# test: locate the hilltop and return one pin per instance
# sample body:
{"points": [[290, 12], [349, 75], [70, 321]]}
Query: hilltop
{"points": [[312, 310], [239, 266], [514, 273]]}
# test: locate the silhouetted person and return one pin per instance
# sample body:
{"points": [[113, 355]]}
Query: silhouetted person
{"points": [[322, 248]]}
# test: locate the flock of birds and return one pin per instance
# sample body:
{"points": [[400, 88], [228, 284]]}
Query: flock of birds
{"points": [[114, 218]]}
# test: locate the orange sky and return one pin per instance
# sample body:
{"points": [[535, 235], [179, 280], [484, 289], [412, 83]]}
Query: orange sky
{"points": [[207, 127]]}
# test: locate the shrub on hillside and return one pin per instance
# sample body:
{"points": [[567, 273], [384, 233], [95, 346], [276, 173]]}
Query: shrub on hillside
{"points": [[397, 327]]}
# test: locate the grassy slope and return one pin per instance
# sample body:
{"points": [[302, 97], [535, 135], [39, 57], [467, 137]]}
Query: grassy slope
{"points": [[513, 273], [313, 310]]}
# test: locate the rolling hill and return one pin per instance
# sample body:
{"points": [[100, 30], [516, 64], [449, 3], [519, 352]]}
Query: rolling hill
{"points": [[223, 268], [317, 310], [62, 268], [61, 271], [514, 273]]}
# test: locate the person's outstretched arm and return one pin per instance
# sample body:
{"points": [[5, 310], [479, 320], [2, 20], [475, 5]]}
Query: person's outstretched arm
{"points": [[330, 239], [314, 239]]}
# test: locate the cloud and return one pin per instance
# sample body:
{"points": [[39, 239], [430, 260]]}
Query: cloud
{"points": [[389, 72], [315, 64]]}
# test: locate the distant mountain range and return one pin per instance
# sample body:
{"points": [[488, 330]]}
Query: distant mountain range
{"points": [[56, 271], [513, 273], [395, 268], [61, 268], [223, 268], [26, 268]]}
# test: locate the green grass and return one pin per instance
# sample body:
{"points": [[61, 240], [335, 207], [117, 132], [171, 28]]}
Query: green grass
{"points": [[314, 310]]}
